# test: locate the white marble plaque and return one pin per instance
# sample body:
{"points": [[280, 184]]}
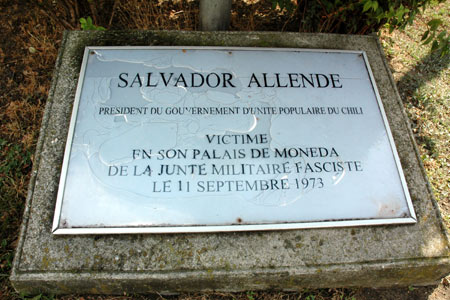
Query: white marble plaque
{"points": [[227, 139]]}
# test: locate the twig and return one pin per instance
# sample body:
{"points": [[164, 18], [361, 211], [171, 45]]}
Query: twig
{"points": [[112, 13], [57, 20]]}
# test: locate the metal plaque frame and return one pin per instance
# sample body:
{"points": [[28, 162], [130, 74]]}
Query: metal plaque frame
{"points": [[59, 230]]}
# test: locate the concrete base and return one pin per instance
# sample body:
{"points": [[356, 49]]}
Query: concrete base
{"points": [[373, 256]]}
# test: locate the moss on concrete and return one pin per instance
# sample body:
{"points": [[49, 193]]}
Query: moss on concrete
{"points": [[361, 256]]}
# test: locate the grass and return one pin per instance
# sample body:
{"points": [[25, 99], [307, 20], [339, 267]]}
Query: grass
{"points": [[423, 81], [28, 52]]}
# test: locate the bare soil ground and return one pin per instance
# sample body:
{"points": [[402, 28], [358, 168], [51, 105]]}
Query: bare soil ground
{"points": [[30, 34]]}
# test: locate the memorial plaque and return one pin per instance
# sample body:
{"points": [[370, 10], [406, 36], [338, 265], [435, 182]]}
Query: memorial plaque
{"points": [[170, 139]]}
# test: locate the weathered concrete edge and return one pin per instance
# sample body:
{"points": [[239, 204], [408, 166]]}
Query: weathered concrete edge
{"points": [[37, 157], [110, 281], [412, 139], [289, 279]]}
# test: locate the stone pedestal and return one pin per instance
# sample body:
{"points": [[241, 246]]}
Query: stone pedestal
{"points": [[371, 256]]}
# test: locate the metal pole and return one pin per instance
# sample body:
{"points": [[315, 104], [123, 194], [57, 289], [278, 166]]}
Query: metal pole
{"points": [[215, 14]]}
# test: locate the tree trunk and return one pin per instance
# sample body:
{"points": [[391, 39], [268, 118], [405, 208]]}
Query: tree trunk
{"points": [[215, 14]]}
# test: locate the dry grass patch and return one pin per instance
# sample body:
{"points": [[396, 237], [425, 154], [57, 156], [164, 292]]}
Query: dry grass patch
{"points": [[423, 80]]}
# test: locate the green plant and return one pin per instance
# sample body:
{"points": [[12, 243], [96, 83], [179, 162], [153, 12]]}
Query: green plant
{"points": [[364, 16], [250, 295], [86, 24], [411, 288], [37, 297], [6, 257], [439, 41], [15, 163]]}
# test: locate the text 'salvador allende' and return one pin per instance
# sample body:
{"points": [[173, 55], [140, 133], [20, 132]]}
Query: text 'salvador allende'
{"points": [[227, 80]]}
